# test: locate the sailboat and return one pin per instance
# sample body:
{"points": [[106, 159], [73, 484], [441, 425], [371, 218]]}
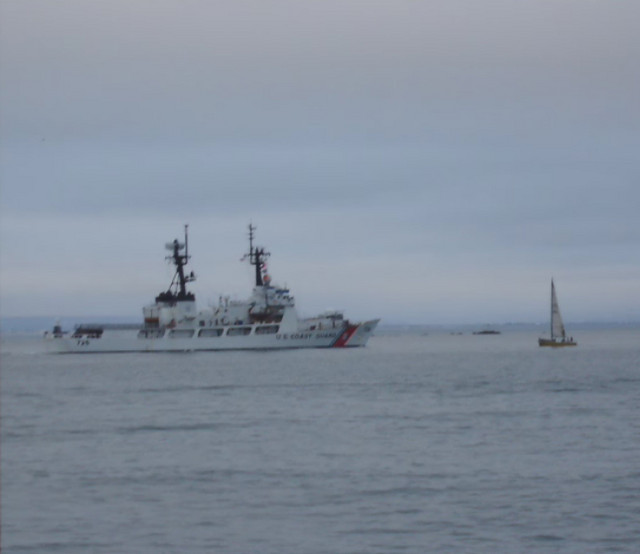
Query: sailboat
{"points": [[558, 333]]}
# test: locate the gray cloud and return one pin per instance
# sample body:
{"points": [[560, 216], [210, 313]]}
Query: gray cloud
{"points": [[429, 159]]}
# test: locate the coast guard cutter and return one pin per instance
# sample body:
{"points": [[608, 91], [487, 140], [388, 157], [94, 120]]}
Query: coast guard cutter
{"points": [[266, 320]]}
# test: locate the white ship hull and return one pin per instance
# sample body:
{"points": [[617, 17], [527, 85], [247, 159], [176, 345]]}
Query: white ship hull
{"points": [[135, 340]]}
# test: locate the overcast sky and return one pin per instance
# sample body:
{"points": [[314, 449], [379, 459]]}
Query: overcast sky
{"points": [[431, 161]]}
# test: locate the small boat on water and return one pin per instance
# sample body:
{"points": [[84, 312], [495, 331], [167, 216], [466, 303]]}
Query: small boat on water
{"points": [[558, 334], [266, 320]]}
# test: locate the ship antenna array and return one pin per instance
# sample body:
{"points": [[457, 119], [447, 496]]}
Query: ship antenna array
{"points": [[256, 256], [186, 241], [251, 230], [180, 260]]}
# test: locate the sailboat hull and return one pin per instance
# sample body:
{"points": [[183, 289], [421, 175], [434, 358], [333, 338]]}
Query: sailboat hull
{"points": [[556, 343]]}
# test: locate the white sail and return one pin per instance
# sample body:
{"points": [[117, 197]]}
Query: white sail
{"points": [[557, 327]]}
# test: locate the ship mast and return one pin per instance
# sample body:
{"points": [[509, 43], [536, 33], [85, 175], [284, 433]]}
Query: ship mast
{"points": [[256, 256], [180, 260]]}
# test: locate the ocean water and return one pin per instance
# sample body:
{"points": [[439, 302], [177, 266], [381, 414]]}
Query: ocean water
{"points": [[413, 444]]}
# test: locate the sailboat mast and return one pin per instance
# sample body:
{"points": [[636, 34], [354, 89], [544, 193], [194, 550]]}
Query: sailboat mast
{"points": [[551, 318]]}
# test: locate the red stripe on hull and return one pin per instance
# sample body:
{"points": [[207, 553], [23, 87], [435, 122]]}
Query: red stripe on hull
{"points": [[345, 337]]}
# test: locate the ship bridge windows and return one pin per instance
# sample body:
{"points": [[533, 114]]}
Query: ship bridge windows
{"points": [[181, 333], [238, 331], [203, 333], [150, 333], [267, 329]]}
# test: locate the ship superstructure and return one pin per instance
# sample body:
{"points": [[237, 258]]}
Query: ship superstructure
{"points": [[266, 320]]}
